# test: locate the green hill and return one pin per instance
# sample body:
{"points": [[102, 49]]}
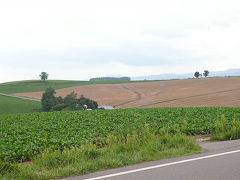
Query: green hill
{"points": [[38, 85]]}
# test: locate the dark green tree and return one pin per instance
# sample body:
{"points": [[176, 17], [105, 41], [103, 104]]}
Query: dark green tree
{"points": [[206, 73], [70, 101], [91, 104], [48, 99], [59, 104], [197, 74], [43, 76]]}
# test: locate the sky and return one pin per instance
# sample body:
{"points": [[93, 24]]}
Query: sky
{"points": [[80, 39]]}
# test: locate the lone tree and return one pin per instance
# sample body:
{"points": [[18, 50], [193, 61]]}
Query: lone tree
{"points": [[206, 73], [43, 76], [197, 74]]}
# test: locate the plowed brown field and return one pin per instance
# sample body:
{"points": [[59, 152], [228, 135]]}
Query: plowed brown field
{"points": [[173, 93]]}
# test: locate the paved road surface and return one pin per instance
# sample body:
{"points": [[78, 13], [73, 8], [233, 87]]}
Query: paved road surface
{"points": [[218, 161]]}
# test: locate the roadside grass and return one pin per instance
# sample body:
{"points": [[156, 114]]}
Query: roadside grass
{"points": [[225, 130], [11, 105], [38, 85], [111, 152]]}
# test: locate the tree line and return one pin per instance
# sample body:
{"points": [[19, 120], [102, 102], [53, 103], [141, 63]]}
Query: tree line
{"points": [[70, 102], [111, 79]]}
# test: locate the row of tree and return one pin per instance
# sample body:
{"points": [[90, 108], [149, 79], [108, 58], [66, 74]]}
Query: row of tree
{"points": [[111, 79], [70, 102], [198, 74]]}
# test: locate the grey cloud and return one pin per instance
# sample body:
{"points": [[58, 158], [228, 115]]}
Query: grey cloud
{"points": [[137, 54]]}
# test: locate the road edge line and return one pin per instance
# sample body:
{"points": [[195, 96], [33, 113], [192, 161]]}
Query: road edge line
{"points": [[162, 165]]}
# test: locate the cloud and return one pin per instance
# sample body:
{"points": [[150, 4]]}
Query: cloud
{"points": [[93, 38]]}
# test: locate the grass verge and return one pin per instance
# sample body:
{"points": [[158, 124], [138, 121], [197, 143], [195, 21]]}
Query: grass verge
{"points": [[111, 152], [225, 130]]}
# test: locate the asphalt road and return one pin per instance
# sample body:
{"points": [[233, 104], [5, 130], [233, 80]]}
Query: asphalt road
{"points": [[218, 161]]}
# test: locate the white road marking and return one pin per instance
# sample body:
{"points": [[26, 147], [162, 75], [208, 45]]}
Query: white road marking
{"points": [[162, 165]]}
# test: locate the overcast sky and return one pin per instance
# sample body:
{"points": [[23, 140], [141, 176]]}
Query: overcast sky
{"points": [[80, 39]]}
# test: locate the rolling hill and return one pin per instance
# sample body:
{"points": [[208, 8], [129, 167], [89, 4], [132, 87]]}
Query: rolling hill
{"points": [[16, 105], [205, 92]]}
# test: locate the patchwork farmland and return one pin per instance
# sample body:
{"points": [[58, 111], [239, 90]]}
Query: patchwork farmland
{"points": [[208, 92], [52, 145]]}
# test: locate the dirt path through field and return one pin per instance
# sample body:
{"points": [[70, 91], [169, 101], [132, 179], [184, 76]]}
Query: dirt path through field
{"points": [[19, 97]]}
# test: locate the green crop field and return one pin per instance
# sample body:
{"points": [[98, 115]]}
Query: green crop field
{"points": [[10, 105], [37, 85], [23, 136]]}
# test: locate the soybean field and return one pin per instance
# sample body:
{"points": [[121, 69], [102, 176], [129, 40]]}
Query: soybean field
{"points": [[24, 136]]}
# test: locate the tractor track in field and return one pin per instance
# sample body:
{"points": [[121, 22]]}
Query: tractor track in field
{"points": [[139, 97], [188, 97]]}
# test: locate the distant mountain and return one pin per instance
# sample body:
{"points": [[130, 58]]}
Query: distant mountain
{"points": [[230, 72], [163, 77]]}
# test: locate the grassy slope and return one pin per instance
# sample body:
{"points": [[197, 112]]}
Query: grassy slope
{"points": [[13, 105], [37, 85]]}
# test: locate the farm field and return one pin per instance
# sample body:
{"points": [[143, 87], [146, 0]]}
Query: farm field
{"points": [[205, 92], [38, 85], [9, 105], [23, 136]]}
